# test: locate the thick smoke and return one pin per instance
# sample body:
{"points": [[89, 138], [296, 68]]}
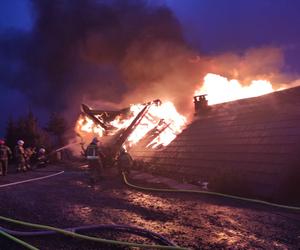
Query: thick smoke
{"points": [[257, 63], [88, 50], [119, 52]]}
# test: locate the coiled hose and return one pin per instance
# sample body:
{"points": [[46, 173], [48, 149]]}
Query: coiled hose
{"points": [[209, 193]]}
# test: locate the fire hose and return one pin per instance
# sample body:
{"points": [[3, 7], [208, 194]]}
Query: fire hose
{"points": [[31, 180], [10, 234], [120, 228], [134, 230], [43, 177], [72, 232], [208, 193], [21, 242]]}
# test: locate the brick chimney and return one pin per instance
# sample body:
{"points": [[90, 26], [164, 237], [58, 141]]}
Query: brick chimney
{"points": [[201, 104]]}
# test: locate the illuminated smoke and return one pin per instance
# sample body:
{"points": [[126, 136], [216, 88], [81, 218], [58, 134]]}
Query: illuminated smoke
{"points": [[81, 50], [118, 52]]}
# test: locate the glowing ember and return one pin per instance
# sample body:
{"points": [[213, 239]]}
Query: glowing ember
{"points": [[219, 89], [161, 124]]}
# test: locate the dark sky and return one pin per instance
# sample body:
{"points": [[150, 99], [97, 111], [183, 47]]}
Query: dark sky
{"points": [[14, 15], [210, 26], [219, 25]]}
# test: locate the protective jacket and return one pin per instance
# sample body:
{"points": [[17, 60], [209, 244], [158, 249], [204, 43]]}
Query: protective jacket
{"points": [[93, 152], [125, 159], [5, 152], [20, 153], [124, 162]]}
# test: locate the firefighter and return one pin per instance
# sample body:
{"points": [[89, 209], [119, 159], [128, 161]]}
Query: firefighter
{"points": [[42, 158], [94, 156], [29, 152], [5, 153], [124, 161], [20, 156]]}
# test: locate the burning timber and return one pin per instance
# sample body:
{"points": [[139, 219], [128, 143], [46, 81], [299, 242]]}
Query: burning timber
{"points": [[118, 136], [153, 124], [103, 117]]}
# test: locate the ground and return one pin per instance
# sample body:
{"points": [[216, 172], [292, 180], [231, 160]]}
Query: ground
{"points": [[190, 220]]}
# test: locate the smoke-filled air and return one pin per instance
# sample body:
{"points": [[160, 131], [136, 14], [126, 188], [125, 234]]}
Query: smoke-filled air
{"points": [[111, 54]]}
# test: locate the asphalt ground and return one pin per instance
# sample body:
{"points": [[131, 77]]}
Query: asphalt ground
{"points": [[190, 220]]}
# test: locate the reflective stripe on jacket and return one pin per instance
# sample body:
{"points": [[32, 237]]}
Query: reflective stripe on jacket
{"points": [[92, 152]]}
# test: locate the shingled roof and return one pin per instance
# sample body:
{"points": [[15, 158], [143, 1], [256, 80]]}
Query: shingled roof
{"points": [[247, 147]]}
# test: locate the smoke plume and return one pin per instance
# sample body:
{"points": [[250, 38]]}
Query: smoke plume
{"points": [[90, 50], [119, 52]]}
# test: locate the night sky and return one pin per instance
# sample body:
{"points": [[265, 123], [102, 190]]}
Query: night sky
{"points": [[209, 26]]}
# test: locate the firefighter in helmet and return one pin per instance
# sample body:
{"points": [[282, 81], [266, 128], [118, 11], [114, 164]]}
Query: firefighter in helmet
{"points": [[5, 153], [29, 153], [42, 159], [94, 156], [124, 161], [20, 156]]}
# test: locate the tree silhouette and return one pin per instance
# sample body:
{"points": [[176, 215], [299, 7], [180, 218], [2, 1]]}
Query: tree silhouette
{"points": [[26, 129], [10, 134], [57, 126]]}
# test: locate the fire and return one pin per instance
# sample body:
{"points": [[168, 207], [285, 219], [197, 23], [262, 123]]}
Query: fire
{"points": [[219, 89], [120, 123], [159, 126], [86, 125], [161, 123], [162, 119]]}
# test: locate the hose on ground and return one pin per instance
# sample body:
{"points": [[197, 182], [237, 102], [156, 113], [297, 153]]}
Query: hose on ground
{"points": [[21, 242], [85, 237], [116, 228], [31, 180], [208, 193]]}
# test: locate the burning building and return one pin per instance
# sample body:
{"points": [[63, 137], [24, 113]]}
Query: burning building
{"points": [[245, 147]]}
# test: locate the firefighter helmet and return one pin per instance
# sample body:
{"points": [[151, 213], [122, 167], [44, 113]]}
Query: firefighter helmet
{"points": [[95, 140], [20, 142], [42, 151]]}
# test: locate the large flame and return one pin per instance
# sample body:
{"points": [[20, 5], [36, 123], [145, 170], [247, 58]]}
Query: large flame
{"points": [[161, 122], [219, 89], [86, 125]]}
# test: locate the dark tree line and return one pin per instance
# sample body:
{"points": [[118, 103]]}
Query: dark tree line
{"points": [[28, 129], [57, 127]]}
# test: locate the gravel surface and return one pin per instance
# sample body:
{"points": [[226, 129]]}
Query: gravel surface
{"points": [[189, 220]]}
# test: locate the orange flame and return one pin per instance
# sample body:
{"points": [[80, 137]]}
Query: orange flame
{"points": [[162, 123], [219, 89], [85, 124], [164, 120]]}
